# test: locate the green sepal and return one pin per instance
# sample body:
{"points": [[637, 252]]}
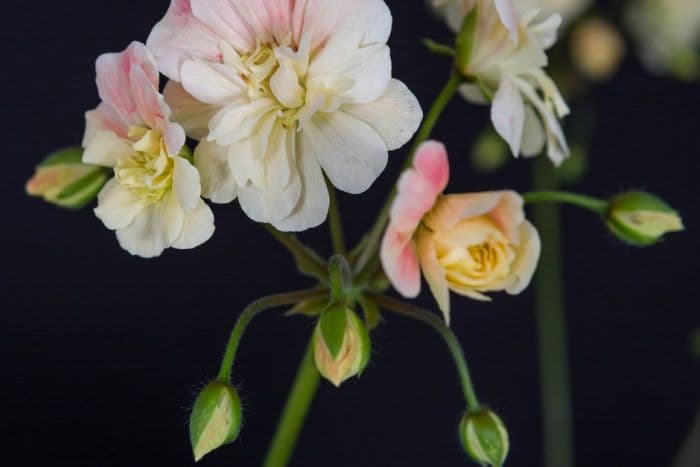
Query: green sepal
{"points": [[371, 313], [465, 40], [630, 237], [311, 308], [186, 153], [340, 278], [439, 49], [366, 342], [85, 186], [332, 324], [486, 91], [71, 155]]}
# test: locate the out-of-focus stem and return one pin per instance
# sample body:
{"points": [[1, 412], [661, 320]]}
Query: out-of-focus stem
{"points": [[689, 455], [307, 260], [295, 411], [557, 417]]}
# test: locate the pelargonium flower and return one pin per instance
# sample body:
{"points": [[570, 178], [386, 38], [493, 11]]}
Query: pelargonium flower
{"points": [[153, 202], [471, 243], [285, 90], [507, 61]]}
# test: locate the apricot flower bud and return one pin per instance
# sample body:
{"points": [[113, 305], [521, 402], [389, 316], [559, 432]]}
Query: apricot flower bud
{"points": [[62, 179], [597, 49], [484, 438], [341, 344], [642, 219], [216, 419]]}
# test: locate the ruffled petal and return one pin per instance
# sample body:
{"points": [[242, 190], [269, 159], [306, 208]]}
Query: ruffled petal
{"points": [[351, 152], [116, 206], [508, 114], [434, 273], [218, 183], [396, 115], [400, 262], [528, 256], [186, 184], [197, 227], [106, 148], [193, 115]]}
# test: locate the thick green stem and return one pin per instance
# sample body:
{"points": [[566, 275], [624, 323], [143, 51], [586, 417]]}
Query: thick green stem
{"points": [[307, 260], [595, 205], [295, 411], [250, 312], [335, 222], [689, 455], [432, 320], [448, 92], [558, 443]]}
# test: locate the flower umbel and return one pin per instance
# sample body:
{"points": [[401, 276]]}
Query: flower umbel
{"points": [[470, 244], [153, 202], [281, 92]]}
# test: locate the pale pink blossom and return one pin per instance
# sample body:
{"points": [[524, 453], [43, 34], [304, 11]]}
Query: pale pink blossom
{"points": [[153, 202], [471, 243], [281, 92]]}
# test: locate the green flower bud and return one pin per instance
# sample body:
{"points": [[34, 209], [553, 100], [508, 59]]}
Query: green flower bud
{"points": [[489, 153], [484, 438], [62, 179], [341, 344], [641, 219], [216, 419]]}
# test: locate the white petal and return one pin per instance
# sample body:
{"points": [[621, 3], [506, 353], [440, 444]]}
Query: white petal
{"points": [[312, 209], [351, 152], [186, 184], [116, 206], [534, 136], [238, 120], [508, 114], [154, 229], [472, 93], [396, 115], [105, 148], [197, 227], [285, 85], [527, 259], [218, 182], [211, 83], [269, 206]]}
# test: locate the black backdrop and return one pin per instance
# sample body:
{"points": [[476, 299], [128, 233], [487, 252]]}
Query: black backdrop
{"points": [[101, 353]]}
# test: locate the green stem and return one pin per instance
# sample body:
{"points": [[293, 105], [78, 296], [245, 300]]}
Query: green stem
{"points": [[250, 312], [307, 260], [595, 205], [432, 320], [689, 455], [426, 129], [295, 411], [336, 224], [558, 443]]}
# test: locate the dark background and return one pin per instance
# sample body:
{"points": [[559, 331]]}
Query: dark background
{"points": [[101, 354]]}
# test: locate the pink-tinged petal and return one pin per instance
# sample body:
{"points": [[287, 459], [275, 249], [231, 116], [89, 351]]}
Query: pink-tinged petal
{"points": [[174, 137], [180, 36], [192, 114], [270, 20], [400, 262], [150, 105], [527, 258], [509, 215], [222, 18], [212, 83], [114, 73], [106, 148], [419, 187], [509, 17], [451, 209], [103, 118], [434, 273], [508, 114]]}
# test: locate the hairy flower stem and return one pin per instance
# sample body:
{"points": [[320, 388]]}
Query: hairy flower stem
{"points": [[307, 260], [448, 92], [335, 222], [295, 411], [558, 442], [432, 320], [251, 312], [595, 205]]}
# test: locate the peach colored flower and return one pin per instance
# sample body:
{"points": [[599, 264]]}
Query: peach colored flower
{"points": [[470, 243]]}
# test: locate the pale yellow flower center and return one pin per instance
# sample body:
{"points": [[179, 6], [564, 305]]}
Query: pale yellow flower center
{"points": [[148, 172], [474, 254]]}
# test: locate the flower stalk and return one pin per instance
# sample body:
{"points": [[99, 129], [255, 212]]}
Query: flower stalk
{"points": [[307, 260], [335, 222], [595, 205]]}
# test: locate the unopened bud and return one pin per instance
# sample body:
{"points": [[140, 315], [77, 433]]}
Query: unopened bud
{"points": [[484, 438], [62, 179], [216, 419], [642, 219], [341, 344]]}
